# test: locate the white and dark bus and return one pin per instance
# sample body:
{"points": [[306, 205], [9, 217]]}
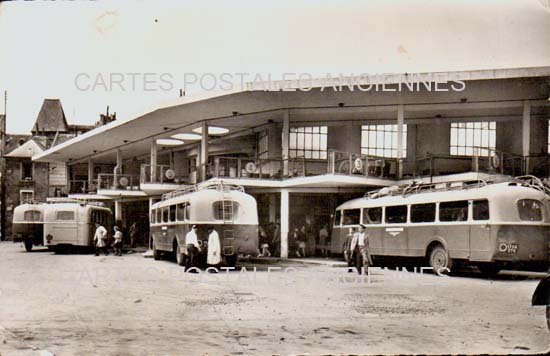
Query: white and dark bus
{"points": [[28, 224], [70, 223], [493, 223], [225, 207]]}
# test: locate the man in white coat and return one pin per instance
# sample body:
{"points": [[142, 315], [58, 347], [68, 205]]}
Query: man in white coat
{"points": [[100, 238], [214, 249]]}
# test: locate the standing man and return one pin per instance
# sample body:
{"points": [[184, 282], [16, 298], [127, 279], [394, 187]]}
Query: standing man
{"points": [[133, 234], [360, 245], [323, 241], [192, 244], [100, 238], [310, 238], [214, 249], [276, 240]]}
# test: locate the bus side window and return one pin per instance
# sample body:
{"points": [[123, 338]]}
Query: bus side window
{"points": [[153, 216], [453, 211], [372, 216], [481, 209], [338, 218], [180, 214], [423, 213], [396, 214], [165, 212], [159, 215], [172, 213], [352, 217], [187, 211]]}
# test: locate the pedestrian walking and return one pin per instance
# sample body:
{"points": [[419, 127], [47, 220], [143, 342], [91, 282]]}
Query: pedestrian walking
{"points": [[360, 246], [100, 239], [213, 258], [133, 234], [300, 236], [118, 241], [192, 246]]}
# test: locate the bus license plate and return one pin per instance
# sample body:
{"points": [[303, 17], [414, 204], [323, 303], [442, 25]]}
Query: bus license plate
{"points": [[509, 248]]}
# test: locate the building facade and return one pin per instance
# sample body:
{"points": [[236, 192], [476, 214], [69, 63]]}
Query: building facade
{"points": [[303, 152], [27, 180]]}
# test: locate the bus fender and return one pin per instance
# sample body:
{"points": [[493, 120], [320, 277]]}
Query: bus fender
{"points": [[542, 292], [435, 239]]}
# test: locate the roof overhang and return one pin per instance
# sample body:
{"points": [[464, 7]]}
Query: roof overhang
{"points": [[498, 93]]}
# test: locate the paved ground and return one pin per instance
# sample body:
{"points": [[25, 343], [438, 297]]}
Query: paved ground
{"points": [[86, 305]]}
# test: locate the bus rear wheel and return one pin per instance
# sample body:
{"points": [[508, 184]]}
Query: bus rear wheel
{"points": [[28, 245], [440, 260]]}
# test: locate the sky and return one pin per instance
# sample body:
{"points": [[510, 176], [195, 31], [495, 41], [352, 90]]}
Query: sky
{"points": [[131, 55]]}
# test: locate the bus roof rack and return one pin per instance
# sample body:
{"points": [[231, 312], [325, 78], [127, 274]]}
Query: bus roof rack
{"points": [[60, 200], [416, 187], [218, 185]]}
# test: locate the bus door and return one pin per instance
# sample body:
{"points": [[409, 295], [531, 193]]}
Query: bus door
{"points": [[481, 245], [65, 227]]}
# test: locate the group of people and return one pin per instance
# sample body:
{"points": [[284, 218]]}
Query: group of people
{"points": [[306, 240], [194, 248], [102, 241]]}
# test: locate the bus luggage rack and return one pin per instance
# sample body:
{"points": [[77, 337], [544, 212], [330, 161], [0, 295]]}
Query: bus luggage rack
{"points": [[416, 188], [60, 200], [220, 186]]}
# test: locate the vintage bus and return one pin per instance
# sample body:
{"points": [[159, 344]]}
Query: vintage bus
{"points": [[28, 224], [493, 223], [71, 223], [225, 207]]}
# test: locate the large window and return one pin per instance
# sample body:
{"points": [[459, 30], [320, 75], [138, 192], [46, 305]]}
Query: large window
{"points": [[32, 215], [469, 137], [381, 140], [262, 145], [64, 215], [26, 196], [308, 142]]}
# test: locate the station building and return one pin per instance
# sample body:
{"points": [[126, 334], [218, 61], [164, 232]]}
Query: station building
{"points": [[303, 151]]}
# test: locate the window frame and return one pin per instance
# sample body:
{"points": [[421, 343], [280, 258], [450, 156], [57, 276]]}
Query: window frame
{"points": [[298, 135], [364, 214], [407, 214], [25, 191], [455, 221], [423, 221], [539, 203], [383, 132], [344, 217], [21, 170], [473, 129], [488, 209], [57, 213]]}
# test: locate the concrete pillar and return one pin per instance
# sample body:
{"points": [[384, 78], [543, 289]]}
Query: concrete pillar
{"points": [[526, 133], [285, 222], [118, 211], [285, 139], [90, 174], [204, 151], [153, 160], [400, 123], [119, 160]]}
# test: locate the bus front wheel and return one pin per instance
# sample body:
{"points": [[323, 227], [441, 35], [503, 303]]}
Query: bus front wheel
{"points": [[440, 260]]}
